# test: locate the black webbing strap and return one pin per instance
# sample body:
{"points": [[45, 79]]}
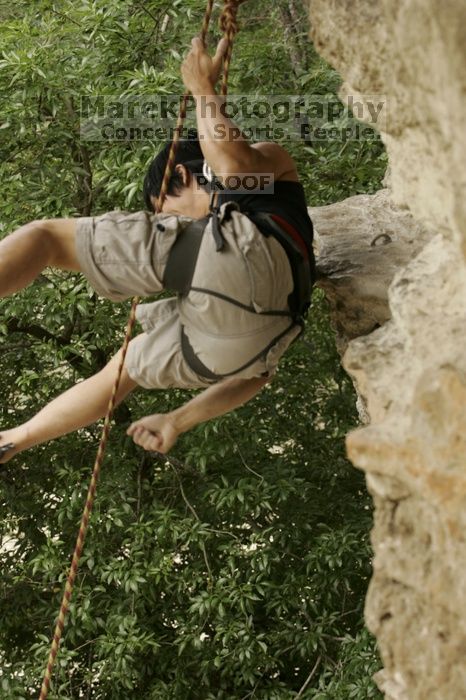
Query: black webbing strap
{"points": [[193, 361], [216, 226], [199, 367], [251, 309], [182, 259]]}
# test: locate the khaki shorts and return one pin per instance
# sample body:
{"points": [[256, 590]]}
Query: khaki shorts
{"points": [[124, 255]]}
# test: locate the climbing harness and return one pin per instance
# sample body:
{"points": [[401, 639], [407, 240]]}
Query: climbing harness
{"points": [[229, 26], [181, 266]]}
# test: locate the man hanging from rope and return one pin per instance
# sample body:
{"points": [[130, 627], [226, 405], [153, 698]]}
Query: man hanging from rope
{"points": [[242, 265]]}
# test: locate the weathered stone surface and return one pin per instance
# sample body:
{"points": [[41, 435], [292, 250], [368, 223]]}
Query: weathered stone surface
{"points": [[411, 371], [360, 244]]}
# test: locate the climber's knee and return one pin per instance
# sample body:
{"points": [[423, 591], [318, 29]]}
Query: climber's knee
{"points": [[60, 239], [126, 384]]}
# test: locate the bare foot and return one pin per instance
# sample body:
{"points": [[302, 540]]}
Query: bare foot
{"points": [[11, 442]]}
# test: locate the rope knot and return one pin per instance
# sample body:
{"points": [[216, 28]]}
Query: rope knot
{"points": [[228, 18], [229, 27]]}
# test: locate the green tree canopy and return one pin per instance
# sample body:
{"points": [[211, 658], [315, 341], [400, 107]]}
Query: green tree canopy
{"points": [[238, 567]]}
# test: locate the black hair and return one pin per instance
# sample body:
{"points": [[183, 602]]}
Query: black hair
{"points": [[189, 154]]}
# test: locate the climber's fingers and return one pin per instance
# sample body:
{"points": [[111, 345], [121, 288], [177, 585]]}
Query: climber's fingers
{"points": [[221, 51], [148, 440]]}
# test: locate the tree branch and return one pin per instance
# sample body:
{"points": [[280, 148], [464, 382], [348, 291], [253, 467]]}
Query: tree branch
{"points": [[36, 331], [309, 678]]}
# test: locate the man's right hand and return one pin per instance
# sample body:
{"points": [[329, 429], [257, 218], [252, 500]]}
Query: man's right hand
{"points": [[200, 71], [156, 433]]}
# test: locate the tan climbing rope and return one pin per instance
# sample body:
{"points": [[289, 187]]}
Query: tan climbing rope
{"points": [[229, 27], [228, 24]]}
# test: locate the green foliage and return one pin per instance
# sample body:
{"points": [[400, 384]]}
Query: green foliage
{"points": [[238, 566]]}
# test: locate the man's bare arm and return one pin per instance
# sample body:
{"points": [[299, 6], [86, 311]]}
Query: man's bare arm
{"points": [[159, 432], [226, 150]]}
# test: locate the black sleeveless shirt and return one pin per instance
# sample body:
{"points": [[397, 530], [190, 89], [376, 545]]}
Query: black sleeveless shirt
{"points": [[284, 198]]}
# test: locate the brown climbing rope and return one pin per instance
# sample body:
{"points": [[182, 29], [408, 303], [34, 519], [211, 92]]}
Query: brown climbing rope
{"points": [[229, 25]]}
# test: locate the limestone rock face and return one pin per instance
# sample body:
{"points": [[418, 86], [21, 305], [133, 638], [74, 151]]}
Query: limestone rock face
{"points": [[410, 371], [360, 243]]}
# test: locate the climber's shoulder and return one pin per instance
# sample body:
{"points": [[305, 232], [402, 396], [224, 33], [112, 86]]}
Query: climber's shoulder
{"points": [[277, 160]]}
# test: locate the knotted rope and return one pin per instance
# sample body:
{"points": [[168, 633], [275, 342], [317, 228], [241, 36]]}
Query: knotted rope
{"points": [[228, 23], [170, 167], [229, 27]]}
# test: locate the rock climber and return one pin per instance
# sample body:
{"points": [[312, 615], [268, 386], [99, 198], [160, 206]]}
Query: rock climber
{"points": [[241, 263]]}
